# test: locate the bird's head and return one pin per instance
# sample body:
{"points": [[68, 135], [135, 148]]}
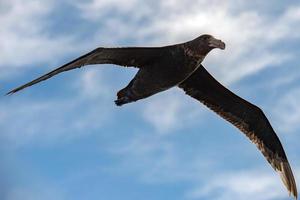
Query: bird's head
{"points": [[209, 42], [203, 44]]}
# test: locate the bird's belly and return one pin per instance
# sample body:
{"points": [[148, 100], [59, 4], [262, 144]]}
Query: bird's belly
{"points": [[154, 80]]}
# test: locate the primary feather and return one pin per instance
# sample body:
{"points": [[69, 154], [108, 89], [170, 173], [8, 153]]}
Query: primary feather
{"points": [[245, 116]]}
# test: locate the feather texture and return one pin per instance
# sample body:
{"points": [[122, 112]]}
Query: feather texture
{"points": [[245, 116], [126, 56]]}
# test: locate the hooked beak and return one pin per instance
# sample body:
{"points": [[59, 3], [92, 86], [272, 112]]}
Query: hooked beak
{"points": [[214, 43]]}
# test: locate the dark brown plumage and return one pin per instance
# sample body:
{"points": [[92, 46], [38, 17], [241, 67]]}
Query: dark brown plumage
{"points": [[245, 116], [161, 68]]}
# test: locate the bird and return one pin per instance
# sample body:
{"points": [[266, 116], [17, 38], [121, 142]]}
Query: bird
{"points": [[160, 68], [180, 65]]}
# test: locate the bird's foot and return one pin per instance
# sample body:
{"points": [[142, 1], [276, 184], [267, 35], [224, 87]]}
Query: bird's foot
{"points": [[123, 100]]}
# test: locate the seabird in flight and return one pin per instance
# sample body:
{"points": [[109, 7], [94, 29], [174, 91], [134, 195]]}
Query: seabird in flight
{"points": [[161, 68]]}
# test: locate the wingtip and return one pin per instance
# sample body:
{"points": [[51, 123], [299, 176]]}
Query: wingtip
{"points": [[10, 93], [15, 90], [287, 177]]}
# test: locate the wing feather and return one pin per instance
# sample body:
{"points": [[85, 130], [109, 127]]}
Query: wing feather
{"points": [[245, 116], [127, 56]]}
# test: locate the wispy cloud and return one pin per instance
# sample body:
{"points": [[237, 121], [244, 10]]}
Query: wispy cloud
{"points": [[246, 32], [287, 112], [251, 46], [25, 36], [92, 84], [171, 110], [242, 185], [51, 120], [159, 159], [156, 159], [250, 49]]}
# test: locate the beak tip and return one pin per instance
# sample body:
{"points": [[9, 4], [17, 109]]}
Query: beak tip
{"points": [[223, 46], [217, 44]]}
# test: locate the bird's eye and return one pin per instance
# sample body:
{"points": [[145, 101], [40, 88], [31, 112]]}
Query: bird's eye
{"points": [[206, 37]]}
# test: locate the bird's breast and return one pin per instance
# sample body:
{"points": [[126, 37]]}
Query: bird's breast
{"points": [[179, 70]]}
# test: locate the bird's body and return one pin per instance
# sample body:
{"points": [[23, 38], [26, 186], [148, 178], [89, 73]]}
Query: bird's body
{"points": [[176, 63], [161, 68]]}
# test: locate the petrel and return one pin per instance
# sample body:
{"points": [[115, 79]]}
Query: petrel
{"points": [[161, 68]]}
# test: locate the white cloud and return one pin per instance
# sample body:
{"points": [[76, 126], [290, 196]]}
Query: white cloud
{"points": [[34, 122], [159, 159], [250, 43], [171, 110], [92, 84], [249, 51], [92, 7], [43, 120], [287, 111], [287, 26], [25, 38], [243, 185], [247, 32], [155, 159], [244, 30]]}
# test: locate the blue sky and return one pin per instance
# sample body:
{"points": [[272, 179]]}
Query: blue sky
{"points": [[65, 139]]}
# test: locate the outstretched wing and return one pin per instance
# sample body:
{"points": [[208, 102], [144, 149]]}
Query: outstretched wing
{"points": [[128, 56], [245, 116]]}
